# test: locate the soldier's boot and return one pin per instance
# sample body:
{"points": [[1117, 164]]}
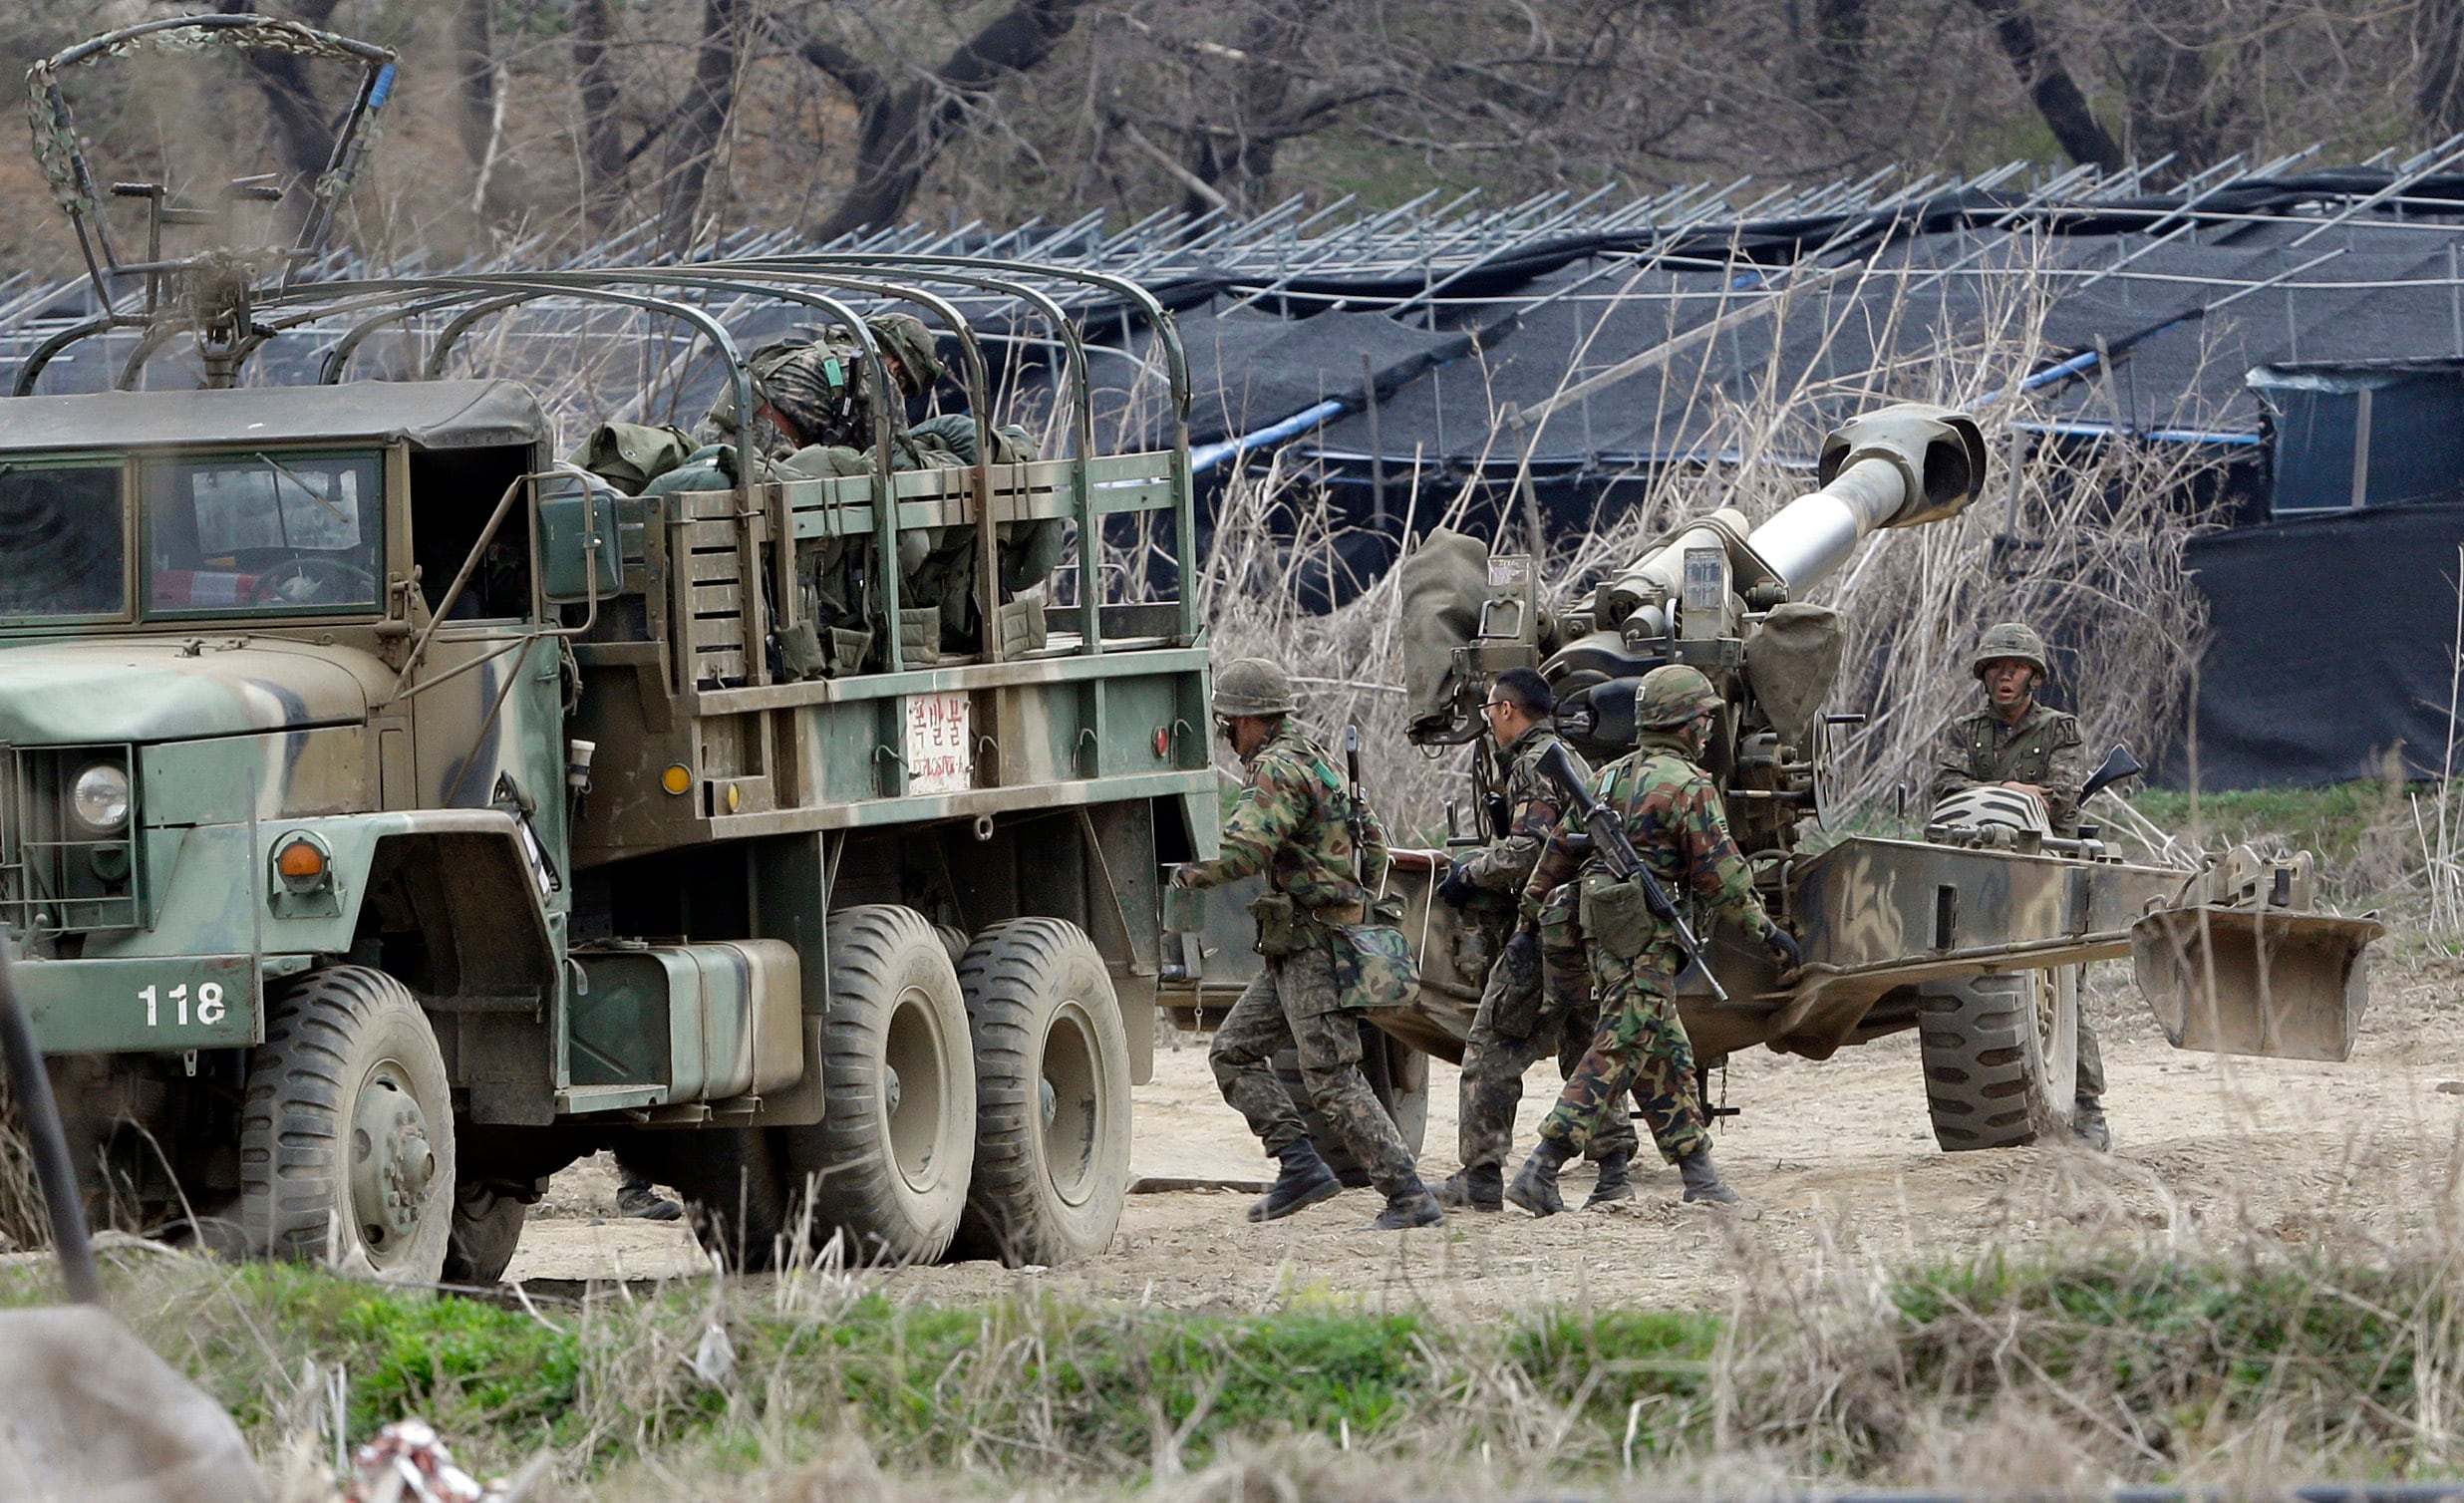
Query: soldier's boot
{"points": [[1409, 1207], [2088, 1124], [1535, 1184], [1613, 1183], [1302, 1181], [1474, 1187], [1702, 1182], [636, 1198]]}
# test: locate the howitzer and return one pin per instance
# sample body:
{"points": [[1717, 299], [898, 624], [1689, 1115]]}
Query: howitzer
{"points": [[1607, 829], [1978, 930]]}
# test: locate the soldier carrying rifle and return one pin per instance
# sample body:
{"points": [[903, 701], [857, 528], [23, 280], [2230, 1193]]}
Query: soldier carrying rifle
{"points": [[1659, 808], [1323, 854], [1536, 1000]]}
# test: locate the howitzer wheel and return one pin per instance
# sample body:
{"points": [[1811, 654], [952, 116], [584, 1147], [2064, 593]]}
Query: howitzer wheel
{"points": [[1052, 1066], [2001, 1056], [890, 1159], [346, 1139], [1398, 1075]]}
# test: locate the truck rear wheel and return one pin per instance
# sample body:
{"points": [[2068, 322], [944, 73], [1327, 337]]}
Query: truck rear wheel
{"points": [[2001, 1056], [889, 1159], [1052, 1066], [346, 1143], [1397, 1076]]}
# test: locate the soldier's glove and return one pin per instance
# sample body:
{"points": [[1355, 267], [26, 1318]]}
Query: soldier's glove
{"points": [[1457, 888], [1784, 947], [1523, 954]]}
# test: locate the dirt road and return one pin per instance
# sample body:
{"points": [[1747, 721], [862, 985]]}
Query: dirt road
{"points": [[1836, 1157]]}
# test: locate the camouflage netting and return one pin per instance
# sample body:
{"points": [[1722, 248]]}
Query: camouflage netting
{"points": [[54, 132]]}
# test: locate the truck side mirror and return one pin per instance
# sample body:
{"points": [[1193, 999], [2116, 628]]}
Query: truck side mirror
{"points": [[2118, 764], [577, 539]]}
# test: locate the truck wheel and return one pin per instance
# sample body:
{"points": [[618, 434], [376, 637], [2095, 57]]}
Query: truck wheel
{"points": [[487, 1226], [1052, 1066], [2001, 1056], [345, 1137], [737, 1191], [890, 1158], [1397, 1076]]}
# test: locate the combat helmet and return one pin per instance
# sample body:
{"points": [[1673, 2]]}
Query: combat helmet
{"points": [[1253, 686], [1670, 696], [2011, 639], [903, 337]]}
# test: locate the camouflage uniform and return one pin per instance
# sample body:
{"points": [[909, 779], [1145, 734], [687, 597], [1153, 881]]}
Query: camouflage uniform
{"points": [[2046, 748], [1675, 818], [1514, 1025], [1290, 824]]}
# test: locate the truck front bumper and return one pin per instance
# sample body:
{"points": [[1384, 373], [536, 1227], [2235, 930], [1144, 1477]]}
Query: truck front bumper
{"points": [[143, 1005]]}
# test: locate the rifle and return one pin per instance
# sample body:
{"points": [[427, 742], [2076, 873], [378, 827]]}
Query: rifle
{"points": [[1352, 820], [1606, 831]]}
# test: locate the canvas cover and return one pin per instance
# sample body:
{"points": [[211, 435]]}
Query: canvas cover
{"points": [[1443, 583]]}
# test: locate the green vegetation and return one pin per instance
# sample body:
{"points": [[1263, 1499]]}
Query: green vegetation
{"points": [[2153, 1367]]}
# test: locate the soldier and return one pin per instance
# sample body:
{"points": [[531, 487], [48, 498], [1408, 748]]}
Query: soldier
{"points": [[1675, 817], [1292, 822], [812, 393], [1513, 1027], [2021, 743]]}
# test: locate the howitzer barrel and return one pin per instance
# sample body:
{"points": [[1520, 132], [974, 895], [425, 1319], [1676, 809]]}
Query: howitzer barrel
{"points": [[1896, 468]]}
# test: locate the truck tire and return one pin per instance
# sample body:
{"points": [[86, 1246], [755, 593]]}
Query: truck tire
{"points": [[2001, 1056], [889, 1159], [736, 1188], [1397, 1076], [487, 1229], [1052, 1068], [346, 1139]]}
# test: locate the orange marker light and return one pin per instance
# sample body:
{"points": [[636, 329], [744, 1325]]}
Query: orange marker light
{"points": [[677, 779], [300, 862]]}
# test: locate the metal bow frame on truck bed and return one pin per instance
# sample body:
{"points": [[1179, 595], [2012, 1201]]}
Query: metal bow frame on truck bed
{"points": [[1095, 486]]}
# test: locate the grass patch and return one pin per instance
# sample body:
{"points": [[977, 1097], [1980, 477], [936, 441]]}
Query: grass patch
{"points": [[2149, 1369]]}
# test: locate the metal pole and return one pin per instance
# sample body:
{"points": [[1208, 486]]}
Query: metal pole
{"points": [[41, 1115], [1377, 446]]}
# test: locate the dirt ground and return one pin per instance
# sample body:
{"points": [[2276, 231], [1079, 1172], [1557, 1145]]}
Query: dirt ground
{"points": [[1836, 1158]]}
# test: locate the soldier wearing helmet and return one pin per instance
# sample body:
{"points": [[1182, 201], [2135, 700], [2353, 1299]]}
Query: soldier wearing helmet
{"points": [[815, 392], [2016, 741], [1679, 827], [1294, 823], [1537, 997], [2020, 742]]}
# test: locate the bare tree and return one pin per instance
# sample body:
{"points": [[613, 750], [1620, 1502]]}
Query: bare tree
{"points": [[1836, 54], [600, 95], [474, 58], [2049, 85], [282, 77], [2438, 37], [903, 125], [2177, 107], [700, 123]]}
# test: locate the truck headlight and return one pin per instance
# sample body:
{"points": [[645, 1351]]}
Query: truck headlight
{"points": [[99, 798]]}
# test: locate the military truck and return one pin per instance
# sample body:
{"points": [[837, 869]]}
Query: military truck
{"points": [[1975, 936], [390, 813]]}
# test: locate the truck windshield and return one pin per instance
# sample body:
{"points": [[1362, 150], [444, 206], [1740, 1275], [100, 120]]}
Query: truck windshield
{"points": [[62, 549], [263, 533]]}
